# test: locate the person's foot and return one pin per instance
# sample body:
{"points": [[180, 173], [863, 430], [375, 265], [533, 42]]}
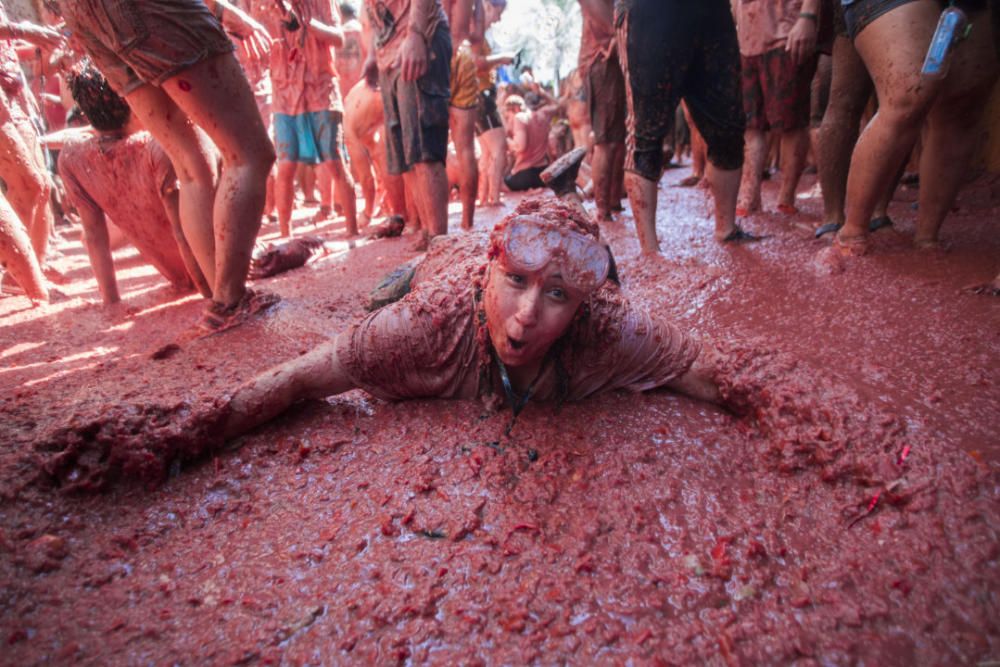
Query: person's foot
{"points": [[689, 181], [560, 176], [788, 209], [423, 242], [930, 245], [739, 235], [743, 209], [218, 317], [850, 246]]}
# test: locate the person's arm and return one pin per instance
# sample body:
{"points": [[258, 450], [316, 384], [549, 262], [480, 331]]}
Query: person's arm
{"points": [[698, 382], [461, 18], [413, 54], [370, 69], [317, 374], [330, 33], [41, 36], [801, 42], [95, 236], [256, 41], [599, 11], [486, 63]]}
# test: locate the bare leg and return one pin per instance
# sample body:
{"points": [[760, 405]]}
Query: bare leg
{"points": [[218, 98], [284, 195], [361, 168], [171, 204], [463, 133], [603, 176], [794, 146], [951, 139], [431, 195], [17, 255], [335, 171], [497, 142], [849, 91], [725, 185], [756, 154], [642, 195], [27, 185], [193, 158], [904, 99]]}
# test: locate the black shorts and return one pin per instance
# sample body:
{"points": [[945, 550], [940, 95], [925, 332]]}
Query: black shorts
{"points": [[488, 116], [416, 112], [859, 13], [525, 179], [673, 50]]}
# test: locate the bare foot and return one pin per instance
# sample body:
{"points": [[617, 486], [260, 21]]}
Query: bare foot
{"points": [[850, 246], [689, 181]]}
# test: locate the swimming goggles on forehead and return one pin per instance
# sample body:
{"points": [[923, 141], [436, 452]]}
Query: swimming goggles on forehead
{"points": [[530, 244]]}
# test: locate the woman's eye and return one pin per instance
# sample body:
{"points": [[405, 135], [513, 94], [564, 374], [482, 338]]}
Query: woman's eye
{"points": [[515, 278], [557, 293]]}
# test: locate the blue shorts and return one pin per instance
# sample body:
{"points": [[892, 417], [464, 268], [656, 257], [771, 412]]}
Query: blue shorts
{"points": [[310, 137]]}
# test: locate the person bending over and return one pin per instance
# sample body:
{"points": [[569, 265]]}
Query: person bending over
{"points": [[119, 157], [173, 63], [537, 321], [529, 141]]}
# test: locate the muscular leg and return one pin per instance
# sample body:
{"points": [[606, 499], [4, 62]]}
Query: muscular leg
{"points": [[756, 154], [17, 255], [794, 147], [284, 194], [903, 100], [431, 196], [334, 170], [194, 161], [463, 134], [725, 186], [497, 146], [952, 132], [218, 98], [642, 195], [603, 176], [27, 185], [849, 91]]}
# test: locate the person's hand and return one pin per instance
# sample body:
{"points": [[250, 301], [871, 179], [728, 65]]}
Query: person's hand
{"points": [[303, 10], [413, 57], [370, 72], [801, 42], [256, 42]]}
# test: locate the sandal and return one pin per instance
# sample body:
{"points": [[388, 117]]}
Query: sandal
{"points": [[878, 223], [218, 318], [738, 235], [855, 246], [828, 228]]}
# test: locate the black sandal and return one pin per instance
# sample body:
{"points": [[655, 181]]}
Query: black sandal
{"points": [[740, 236]]}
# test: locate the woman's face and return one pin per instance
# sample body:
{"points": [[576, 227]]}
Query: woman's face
{"points": [[527, 311]]}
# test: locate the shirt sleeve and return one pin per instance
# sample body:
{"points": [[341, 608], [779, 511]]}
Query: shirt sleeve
{"points": [[422, 346], [164, 175], [622, 347]]}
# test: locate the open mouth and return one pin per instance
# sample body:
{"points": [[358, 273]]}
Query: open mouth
{"points": [[515, 344]]}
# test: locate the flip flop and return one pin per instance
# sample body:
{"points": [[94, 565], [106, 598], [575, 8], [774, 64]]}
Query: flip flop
{"points": [[878, 223], [738, 235], [827, 229]]}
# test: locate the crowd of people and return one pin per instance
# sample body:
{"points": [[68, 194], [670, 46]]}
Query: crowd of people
{"points": [[211, 113]]}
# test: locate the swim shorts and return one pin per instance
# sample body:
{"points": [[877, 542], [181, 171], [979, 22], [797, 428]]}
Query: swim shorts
{"points": [[526, 179], [859, 13], [416, 112], [606, 97], [134, 42], [776, 90], [488, 117], [310, 137], [464, 81], [672, 50]]}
